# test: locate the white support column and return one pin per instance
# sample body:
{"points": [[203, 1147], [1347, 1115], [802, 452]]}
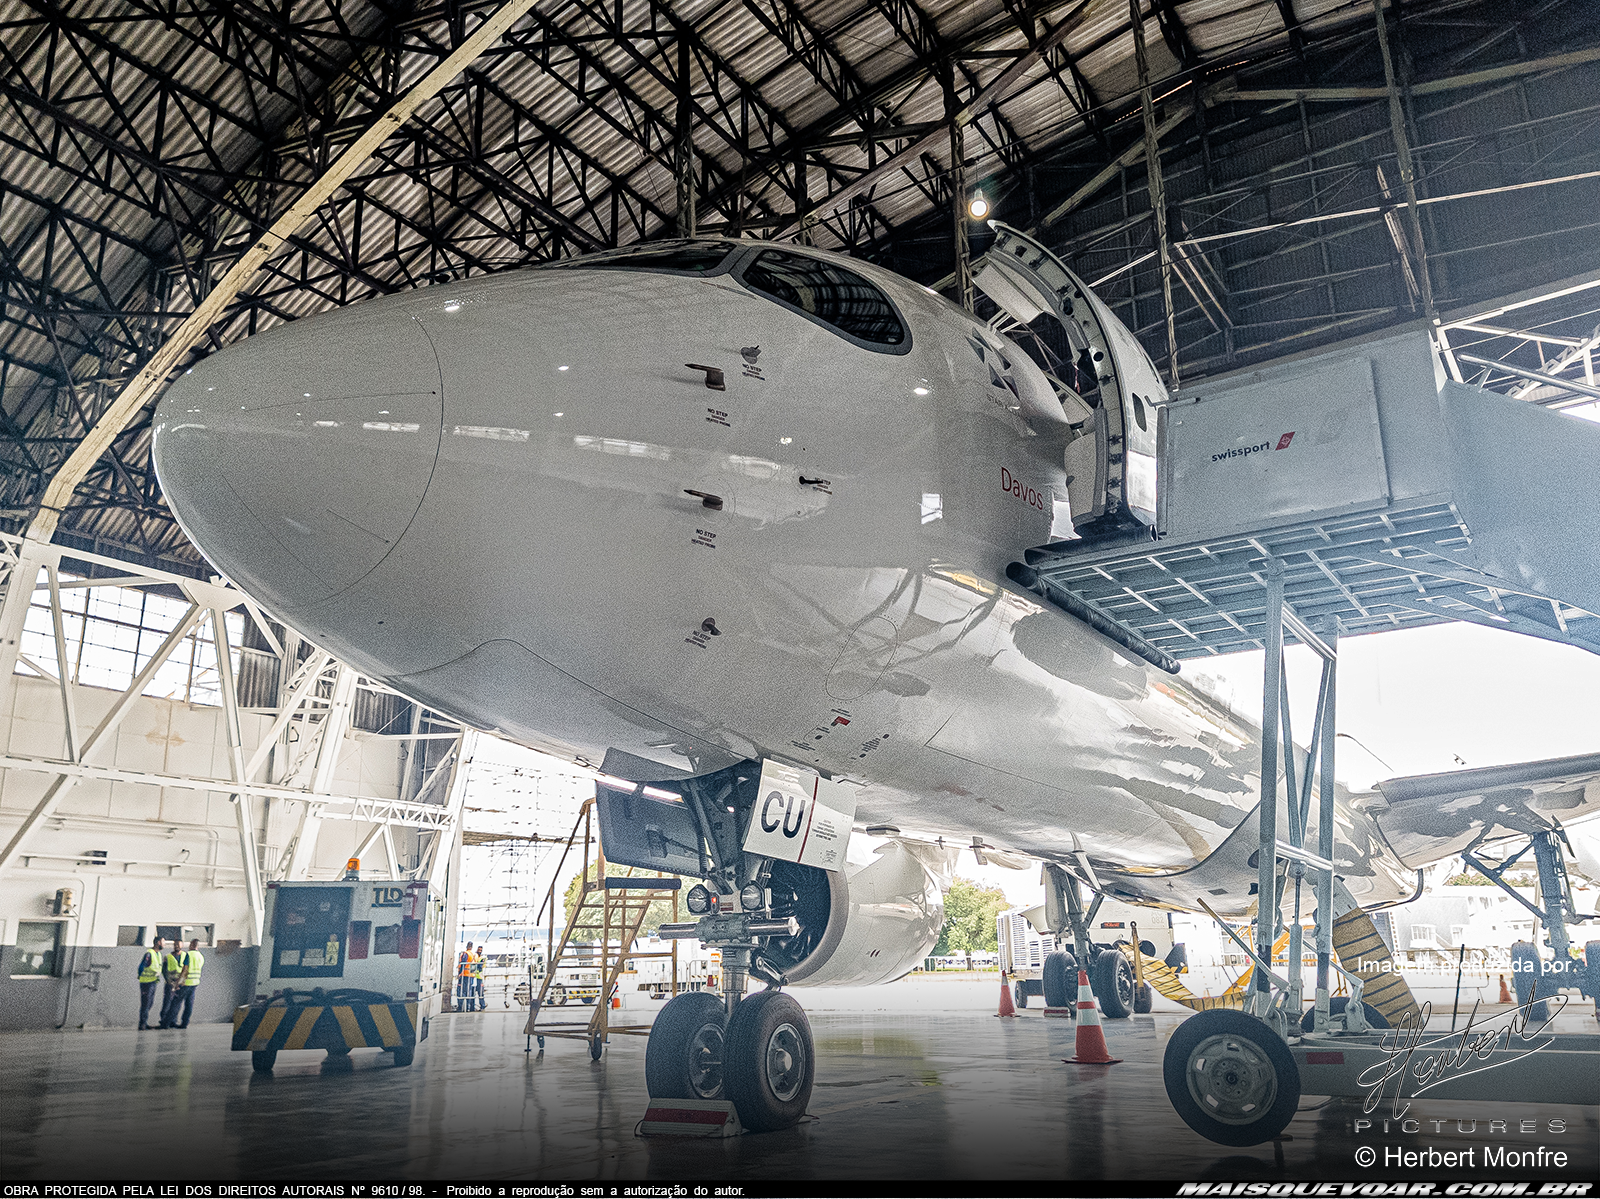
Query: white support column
{"points": [[315, 665], [334, 726], [69, 710], [388, 849], [107, 725], [368, 841], [243, 810], [24, 573]]}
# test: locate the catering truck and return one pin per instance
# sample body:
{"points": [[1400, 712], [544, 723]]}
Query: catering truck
{"points": [[345, 965]]}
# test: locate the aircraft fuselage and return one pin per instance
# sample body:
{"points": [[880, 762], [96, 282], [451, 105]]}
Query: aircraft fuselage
{"points": [[526, 501]]}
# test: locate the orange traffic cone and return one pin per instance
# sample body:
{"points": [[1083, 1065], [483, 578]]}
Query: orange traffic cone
{"points": [[1007, 1008], [1505, 994], [1090, 1047]]}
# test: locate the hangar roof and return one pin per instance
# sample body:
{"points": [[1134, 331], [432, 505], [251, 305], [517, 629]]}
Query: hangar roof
{"points": [[144, 144]]}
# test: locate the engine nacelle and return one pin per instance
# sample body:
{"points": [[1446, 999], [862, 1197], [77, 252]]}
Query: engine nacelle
{"points": [[870, 923]]}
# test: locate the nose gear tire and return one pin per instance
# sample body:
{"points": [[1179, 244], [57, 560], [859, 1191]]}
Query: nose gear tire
{"points": [[771, 1062], [262, 1060], [683, 1059], [1231, 1078]]}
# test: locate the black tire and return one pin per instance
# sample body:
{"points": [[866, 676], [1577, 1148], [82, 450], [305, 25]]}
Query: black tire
{"points": [[1231, 1078], [1019, 995], [404, 1055], [339, 1051], [1060, 980], [262, 1060], [558, 995], [684, 1055], [771, 1063], [1112, 981], [586, 1000], [1591, 972], [1143, 999], [1336, 1007], [597, 1046], [1530, 980]]}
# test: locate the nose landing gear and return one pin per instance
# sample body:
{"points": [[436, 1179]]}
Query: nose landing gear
{"points": [[761, 1058]]}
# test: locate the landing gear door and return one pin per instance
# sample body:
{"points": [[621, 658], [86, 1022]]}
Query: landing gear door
{"points": [[1111, 387], [800, 817]]}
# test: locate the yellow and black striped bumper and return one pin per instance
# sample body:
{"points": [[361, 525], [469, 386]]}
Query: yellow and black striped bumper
{"points": [[337, 1026]]}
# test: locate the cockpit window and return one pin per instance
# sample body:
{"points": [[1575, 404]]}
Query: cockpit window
{"points": [[829, 294], [678, 257]]}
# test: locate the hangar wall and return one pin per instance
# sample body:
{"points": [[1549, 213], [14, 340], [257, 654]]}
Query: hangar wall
{"points": [[171, 855]]}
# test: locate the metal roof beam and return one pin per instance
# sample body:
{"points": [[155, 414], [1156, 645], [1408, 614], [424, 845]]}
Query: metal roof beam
{"points": [[153, 376]]}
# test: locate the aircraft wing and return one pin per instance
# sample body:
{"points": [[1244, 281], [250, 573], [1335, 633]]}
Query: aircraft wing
{"points": [[1427, 817]]}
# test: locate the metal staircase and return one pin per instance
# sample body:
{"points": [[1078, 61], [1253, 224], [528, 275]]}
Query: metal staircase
{"points": [[598, 938]]}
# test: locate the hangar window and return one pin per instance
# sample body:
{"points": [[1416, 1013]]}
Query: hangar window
{"points": [[38, 950], [830, 295], [111, 633], [671, 257]]}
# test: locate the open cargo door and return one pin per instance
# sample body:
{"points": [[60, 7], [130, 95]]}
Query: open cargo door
{"points": [[1108, 386]]}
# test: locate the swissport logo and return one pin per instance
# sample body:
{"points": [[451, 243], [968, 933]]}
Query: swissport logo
{"points": [[1245, 450]]}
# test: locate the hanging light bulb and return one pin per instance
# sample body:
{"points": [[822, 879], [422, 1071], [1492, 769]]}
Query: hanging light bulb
{"points": [[977, 207]]}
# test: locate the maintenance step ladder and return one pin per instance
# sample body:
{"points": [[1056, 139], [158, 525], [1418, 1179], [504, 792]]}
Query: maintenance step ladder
{"points": [[599, 936]]}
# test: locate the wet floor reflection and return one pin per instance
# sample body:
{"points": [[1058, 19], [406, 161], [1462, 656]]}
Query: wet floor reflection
{"points": [[952, 1096]]}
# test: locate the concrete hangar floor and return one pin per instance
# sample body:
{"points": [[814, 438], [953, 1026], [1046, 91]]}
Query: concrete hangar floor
{"points": [[938, 1090]]}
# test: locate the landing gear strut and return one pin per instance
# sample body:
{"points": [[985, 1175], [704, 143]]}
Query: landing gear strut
{"points": [[756, 1053]]}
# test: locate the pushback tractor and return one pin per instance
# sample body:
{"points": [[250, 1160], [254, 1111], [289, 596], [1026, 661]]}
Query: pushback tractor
{"points": [[344, 965]]}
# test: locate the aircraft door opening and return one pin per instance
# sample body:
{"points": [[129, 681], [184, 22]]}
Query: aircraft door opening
{"points": [[1109, 389]]}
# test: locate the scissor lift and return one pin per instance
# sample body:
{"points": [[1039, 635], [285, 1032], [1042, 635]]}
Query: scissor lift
{"points": [[611, 909]]}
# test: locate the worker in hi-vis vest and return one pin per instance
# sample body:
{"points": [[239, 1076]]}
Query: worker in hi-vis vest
{"points": [[149, 976], [477, 979], [464, 994], [171, 971], [188, 979]]}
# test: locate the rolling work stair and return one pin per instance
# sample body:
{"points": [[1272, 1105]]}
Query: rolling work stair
{"points": [[599, 936]]}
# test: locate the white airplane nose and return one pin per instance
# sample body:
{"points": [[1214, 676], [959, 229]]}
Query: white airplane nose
{"points": [[299, 457]]}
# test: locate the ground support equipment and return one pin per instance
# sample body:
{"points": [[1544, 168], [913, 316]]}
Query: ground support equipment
{"points": [[1236, 1076], [599, 937], [336, 1021]]}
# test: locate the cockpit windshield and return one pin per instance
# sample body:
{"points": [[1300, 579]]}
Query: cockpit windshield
{"points": [[676, 257], [828, 294]]}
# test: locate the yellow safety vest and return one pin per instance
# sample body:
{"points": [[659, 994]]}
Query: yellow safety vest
{"points": [[150, 968], [196, 962], [477, 965], [330, 956], [171, 966]]}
